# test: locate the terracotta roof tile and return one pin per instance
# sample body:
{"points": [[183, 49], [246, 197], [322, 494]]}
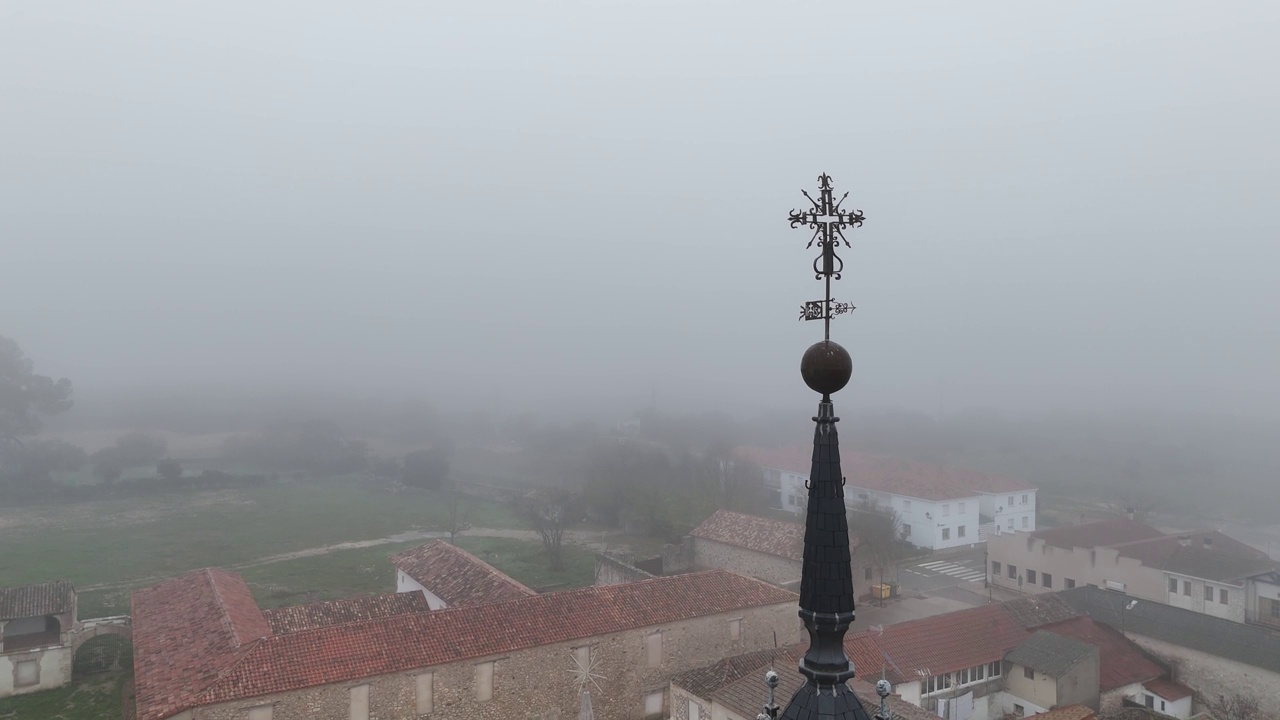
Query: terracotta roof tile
{"points": [[337, 612], [1070, 712], [456, 576], [1168, 689], [949, 642], [763, 535], [889, 474], [1121, 662], [186, 631], [173, 673], [1096, 534], [51, 598], [1209, 555], [705, 680]]}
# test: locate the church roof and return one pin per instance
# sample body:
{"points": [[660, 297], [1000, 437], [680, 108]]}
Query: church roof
{"points": [[882, 473], [752, 532], [50, 598], [192, 649], [456, 576], [297, 618]]}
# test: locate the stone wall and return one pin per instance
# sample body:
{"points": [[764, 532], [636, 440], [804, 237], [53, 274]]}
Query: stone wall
{"points": [[680, 704], [1212, 676], [616, 570], [537, 683], [770, 568]]}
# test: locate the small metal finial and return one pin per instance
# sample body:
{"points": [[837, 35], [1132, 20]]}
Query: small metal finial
{"points": [[771, 707]]}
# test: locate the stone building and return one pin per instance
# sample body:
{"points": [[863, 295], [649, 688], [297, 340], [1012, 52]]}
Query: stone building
{"points": [[203, 650], [448, 576], [772, 550], [37, 631], [1049, 670]]}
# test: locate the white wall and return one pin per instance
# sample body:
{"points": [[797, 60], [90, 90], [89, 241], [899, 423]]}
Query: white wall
{"points": [[55, 667], [1234, 609], [795, 496], [1019, 515], [928, 518], [404, 583]]}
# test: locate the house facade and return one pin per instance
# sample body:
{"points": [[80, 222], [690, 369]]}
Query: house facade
{"points": [[1206, 572], [939, 507], [1049, 670], [204, 651], [37, 630]]}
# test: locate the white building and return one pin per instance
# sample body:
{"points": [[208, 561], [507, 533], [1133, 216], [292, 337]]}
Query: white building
{"points": [[37, 629], [939, 507]]}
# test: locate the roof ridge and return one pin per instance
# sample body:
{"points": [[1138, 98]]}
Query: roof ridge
{"points": [[223, 612], [472, 556], [249, 649]]}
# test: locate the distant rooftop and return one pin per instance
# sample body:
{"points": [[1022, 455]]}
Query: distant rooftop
{"points": [[751, 532], [337, 612], [50, 598], [456, 576], [1121, 661], [1209, 555], [889, 474], [939, 644], [1096, 534], [1050, 653]]}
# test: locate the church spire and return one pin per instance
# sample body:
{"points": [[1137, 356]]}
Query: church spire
{"points": [[826, 585]]}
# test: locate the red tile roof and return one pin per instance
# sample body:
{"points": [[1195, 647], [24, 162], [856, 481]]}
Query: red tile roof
{"points": [[178, 675], [763, 535], [336, 612], [892, 475], [1223, 559], [1168, 689], [1096, 534], [51, 598], [456, 576], [941, 643], [1070, 712], [1121, 661], [186, 632]]}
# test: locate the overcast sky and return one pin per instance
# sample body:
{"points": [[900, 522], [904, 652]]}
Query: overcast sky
{"points": [[1069, 205]]}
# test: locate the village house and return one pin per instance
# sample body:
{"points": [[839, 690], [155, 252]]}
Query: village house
{"points": [[771, 550], [204, 650], [1207, 572], [735, 689], [448, 576], [939, 507], [37, 628], [1049, 670]]}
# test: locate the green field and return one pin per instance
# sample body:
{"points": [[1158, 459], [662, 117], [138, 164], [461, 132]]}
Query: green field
{"points": [[95, 698]]}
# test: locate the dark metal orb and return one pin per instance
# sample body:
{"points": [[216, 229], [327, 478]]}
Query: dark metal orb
{"points": [[826, 367]]}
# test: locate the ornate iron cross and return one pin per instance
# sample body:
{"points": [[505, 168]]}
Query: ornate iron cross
{"points": [[828, 221]]}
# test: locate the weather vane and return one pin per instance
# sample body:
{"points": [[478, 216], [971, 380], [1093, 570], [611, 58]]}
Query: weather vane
{"points": [[828, 221]]}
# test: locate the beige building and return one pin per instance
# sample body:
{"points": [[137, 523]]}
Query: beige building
{"points": [[1048, 671], [203, 650], [37, 634], [1207, 572]]}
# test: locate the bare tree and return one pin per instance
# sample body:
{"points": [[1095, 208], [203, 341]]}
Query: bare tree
{"points": [[549, 514], [459, 513], [880, 536], [1237, 706]]}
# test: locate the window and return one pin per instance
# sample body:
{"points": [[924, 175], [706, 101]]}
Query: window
{"points": [[424, 687], [1013, 571], [979, 672], [1046, 580], [868, 573], [960, 531], [1150, 701], [359, 702], [1208, 594], [1070, 583], [1010, 501], [1161, 706], [995, 568], [906, 506], [1028, 673], [26, 673], [946, 509], [735, 628], [1186, 588], [1275, 608], [962, 677], [946, 533], [1173, 585], [484, 681], [1222, 595], [653, 649], [1025, 519], [1019, 710], [960, 510], [906, 530], [1031, 576], [653, 704], [1010, 523], [262, 712], [994, 669], [1024, 499], [695, 710]]}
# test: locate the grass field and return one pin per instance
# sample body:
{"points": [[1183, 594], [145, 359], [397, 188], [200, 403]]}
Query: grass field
{"points": [[138, 541], [95, 698]]}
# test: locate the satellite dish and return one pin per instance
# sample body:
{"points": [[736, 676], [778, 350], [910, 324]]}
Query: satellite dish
{"points": [[928, 516]]}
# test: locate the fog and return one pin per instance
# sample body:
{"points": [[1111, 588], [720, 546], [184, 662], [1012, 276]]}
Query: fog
{"points": [[544, 206]]}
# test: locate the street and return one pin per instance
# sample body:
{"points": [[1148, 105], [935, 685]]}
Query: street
{"points": [[930, 574]]}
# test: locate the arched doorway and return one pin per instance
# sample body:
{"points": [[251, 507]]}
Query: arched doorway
{"points": [[102, 653]]}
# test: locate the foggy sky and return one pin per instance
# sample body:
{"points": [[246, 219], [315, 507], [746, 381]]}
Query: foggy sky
{"points": [[532, 204]]}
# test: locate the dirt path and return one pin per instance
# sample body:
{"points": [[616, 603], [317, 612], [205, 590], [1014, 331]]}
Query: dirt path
{"points": [[593, 539]]}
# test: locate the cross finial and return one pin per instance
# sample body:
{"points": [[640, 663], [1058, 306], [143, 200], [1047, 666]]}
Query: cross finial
{"points": [[828, 220]]}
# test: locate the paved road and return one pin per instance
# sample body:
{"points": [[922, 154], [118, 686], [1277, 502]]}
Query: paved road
{"points": [[935, 573]]}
